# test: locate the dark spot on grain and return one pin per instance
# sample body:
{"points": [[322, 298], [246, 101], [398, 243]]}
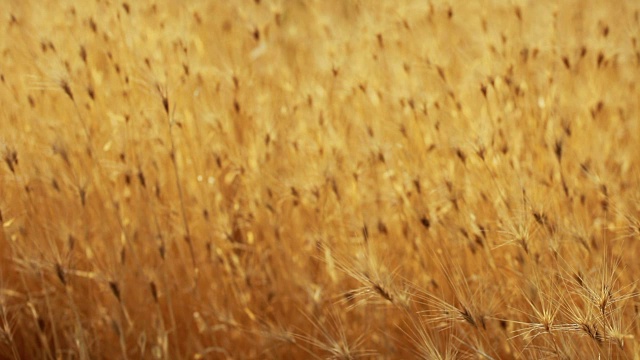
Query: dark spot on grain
{"points": [[425, 222]]}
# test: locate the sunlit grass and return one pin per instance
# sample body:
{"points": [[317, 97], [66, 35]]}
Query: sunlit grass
{"points": [[324, 179]]}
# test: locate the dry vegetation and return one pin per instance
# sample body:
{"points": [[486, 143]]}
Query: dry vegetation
{"points": [[319, 179]]}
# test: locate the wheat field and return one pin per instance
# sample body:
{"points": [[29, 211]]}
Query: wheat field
{"points": [[312, 179]]}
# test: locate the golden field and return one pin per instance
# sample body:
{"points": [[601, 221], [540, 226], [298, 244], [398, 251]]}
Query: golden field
{"points": [[319, 179]]}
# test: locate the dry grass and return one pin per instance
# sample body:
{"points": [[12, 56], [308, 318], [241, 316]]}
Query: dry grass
{"points": [[319, 179]]}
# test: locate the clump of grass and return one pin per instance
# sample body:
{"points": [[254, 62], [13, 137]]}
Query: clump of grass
{"points": [[266, 179]]}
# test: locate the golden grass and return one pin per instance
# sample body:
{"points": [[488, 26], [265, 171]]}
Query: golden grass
{"points": [[319, 179]]}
